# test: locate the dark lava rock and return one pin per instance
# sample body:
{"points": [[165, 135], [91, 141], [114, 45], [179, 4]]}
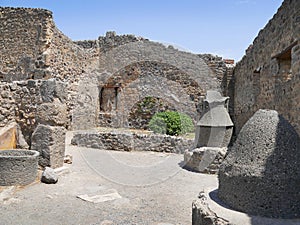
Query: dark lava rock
{"points": [[261, 174]]}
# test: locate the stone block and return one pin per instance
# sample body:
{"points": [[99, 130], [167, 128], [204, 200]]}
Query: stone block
{"points": [[51, 89], [18, 167], [49, 141], [8, 139], [205, 159], [11, 137], [53, 113]]}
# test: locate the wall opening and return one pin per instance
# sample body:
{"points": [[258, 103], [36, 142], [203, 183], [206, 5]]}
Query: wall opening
{"points": [[108, 98], [284, 60]]}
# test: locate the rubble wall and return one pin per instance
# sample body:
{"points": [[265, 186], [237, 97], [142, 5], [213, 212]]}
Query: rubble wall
{"points": [[268, 76], [32, 102], [42, 50]]}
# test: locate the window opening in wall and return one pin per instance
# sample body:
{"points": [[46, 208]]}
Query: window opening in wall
{"points": [[116, 98], [284, 60], [108, 98], [101, 99], [256, 81]]}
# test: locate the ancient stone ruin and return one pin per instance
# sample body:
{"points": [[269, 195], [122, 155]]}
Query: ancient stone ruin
{"points": [[50, 84], [214, 128], [213, 134], [260, 175]]}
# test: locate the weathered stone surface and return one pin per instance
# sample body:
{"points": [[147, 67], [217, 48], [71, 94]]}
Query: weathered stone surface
{"points": [[260, 174], [49, 176], [214, 128], [268, 75], [24, 103], [11, 137], [53, 114], [131, 141], [52, 89], [205, 159], [18, 167], [8, 138], [49, 141], [38, 47], [203, 215]]}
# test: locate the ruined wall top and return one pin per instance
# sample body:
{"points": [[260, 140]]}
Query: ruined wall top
{"points": [[28, 29], [31, 47], [112, 40]]}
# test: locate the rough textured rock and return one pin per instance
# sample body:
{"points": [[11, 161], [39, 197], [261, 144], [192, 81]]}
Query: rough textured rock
{"points": [[261, 175], [268, 75], [42, 50], [49, 141], [25, 102], [18, 167], [205, 159], [129, 140], [203, 215], [68, 159], [49, 176], [54, 113]]}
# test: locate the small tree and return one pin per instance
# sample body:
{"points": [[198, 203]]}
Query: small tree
{"points": [[171, 123]]}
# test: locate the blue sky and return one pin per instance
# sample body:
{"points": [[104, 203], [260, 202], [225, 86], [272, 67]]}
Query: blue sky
{"points": [[222, 27]]}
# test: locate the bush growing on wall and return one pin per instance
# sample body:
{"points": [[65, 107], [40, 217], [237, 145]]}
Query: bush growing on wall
{"points": [[171, 123]]}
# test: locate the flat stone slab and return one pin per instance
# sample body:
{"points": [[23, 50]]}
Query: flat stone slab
{"points": [[97, 198]]}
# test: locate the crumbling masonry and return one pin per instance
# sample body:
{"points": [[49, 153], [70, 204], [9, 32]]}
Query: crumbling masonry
{"points": [[50, 80]]}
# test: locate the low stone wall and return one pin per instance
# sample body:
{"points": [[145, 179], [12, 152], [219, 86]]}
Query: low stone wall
{"points": [[131, 141]]}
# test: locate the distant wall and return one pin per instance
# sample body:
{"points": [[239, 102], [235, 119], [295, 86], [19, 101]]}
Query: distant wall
{"points": [[223, 70], [268, 76], [125, 140], [112, 40], [31, 47]]}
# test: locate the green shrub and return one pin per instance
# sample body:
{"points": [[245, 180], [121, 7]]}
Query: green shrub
{"points": [[171, 123]]}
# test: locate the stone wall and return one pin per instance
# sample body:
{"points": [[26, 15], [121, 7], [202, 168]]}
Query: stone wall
{"points": [[268, 76], [24, 37], [132, 68], [122, 140], [32, 102], [120, 69], [111, 40], [42, 50], [147, 79], [223, 69]]}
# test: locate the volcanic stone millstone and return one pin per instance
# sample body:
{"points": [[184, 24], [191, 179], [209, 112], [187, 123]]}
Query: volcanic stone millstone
{"points": [[261, 175]]}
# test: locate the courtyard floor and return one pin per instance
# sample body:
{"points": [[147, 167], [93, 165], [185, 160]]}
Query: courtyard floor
{"points": [[108, 187]]}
